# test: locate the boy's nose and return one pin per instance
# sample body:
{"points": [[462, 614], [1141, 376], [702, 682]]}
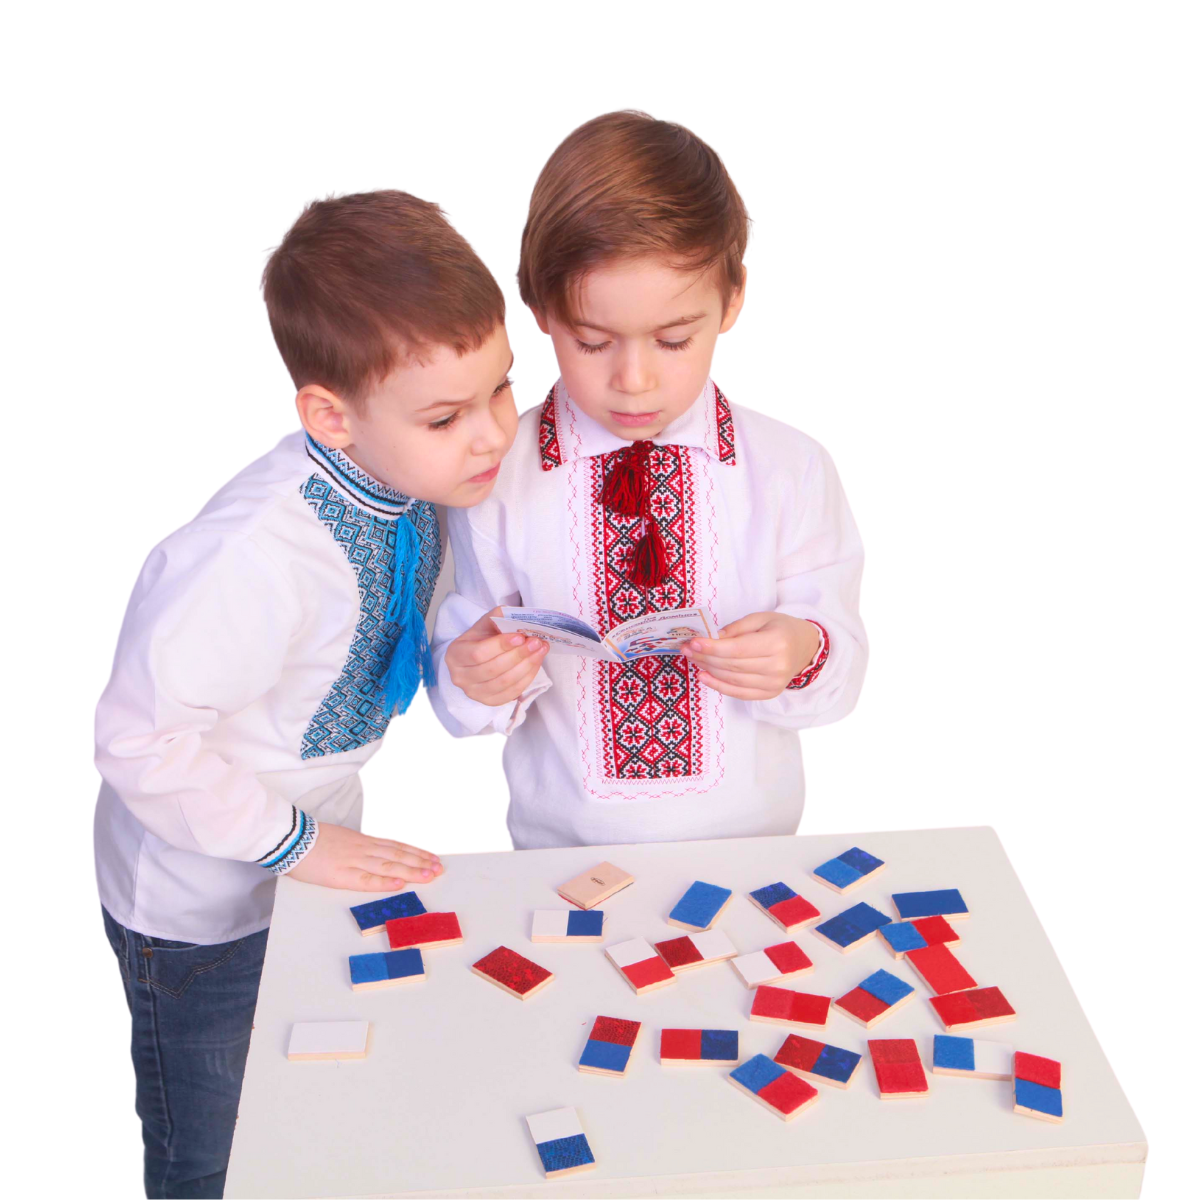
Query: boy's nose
{"points": [[632, 376]]}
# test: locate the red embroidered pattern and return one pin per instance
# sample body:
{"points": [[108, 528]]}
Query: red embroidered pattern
{"points": [[652, 708], [810, 673], [548, 435], [725, 445]]}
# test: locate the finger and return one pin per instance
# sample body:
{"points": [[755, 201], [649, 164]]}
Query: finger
{"points": [[764, 680], [406, 870], [488, 649], [747, 624], [517, 680], [754, 666], [392, 854], [746, 645], [390, 844], [368, 881], [729, 689]]}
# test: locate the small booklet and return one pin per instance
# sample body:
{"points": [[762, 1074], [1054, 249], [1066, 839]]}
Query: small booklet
{"points": [[655, 633]]}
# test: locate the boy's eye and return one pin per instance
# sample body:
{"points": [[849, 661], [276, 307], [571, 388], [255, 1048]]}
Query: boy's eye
{"points": [[591, 347], [504, 386], [445, 422], [683, 345]]}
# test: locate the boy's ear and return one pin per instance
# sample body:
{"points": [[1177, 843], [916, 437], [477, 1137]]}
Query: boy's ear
{"points": [[540, 318], [324, 416], [734, 307]]}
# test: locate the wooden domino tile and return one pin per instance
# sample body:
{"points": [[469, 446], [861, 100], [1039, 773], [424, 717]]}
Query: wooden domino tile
{"points": [[898, 1069], [370, 972], [561, 1143], [574, 926], [609, 1046], [940, 970], [971, 1057], [781, 961], [902, 936], [698, 1047], [512, 973], [818, 1060], [877, 996], [695, 950], [640, 967], [849, 870], [787, 909], [595, 886], [851, 929], [375, 914], [947, 902], [775, 1088], [699, 907], [973, 1009], [1037, 1087], [782, 1006], [425, 931], [327, 1041]]}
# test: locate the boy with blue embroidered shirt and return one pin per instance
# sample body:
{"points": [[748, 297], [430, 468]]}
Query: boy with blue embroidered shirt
{"points": [[268, 643]]}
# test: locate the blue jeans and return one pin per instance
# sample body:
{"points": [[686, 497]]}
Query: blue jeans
{"points": [[192, 1009]]}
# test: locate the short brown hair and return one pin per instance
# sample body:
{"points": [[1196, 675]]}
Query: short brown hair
{"points": [[622, 186], [361, 282]]}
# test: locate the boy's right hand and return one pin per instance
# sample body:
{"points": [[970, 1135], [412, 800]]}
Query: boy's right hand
{"points": [[345, 858], [494, 668]]}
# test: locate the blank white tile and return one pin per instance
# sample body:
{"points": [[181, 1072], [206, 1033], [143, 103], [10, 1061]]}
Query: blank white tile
{"points": [[755, 968], [713, 944], [994, 1058], [329, 1037], [558, 1123], [624, 954], [549, 923]]}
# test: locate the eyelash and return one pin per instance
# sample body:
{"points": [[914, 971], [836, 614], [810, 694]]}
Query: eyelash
{"points": [[446, 422], [589, 348]]}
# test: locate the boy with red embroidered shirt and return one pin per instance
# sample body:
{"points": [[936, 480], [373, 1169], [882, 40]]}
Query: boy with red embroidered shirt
{"points": [[639, 488], [269, 642]]}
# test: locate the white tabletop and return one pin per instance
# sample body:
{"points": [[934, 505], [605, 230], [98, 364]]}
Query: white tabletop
{"points": [[455, 1064]]}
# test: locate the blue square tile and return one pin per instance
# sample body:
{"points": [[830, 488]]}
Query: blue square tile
{"points": [[403, 963], [585, 924], [946, 902], [368, 968], [700, 904], [563, 1153], [773, 893], [841, 930], [861, 861], [838, 873], [883, 985], [903, 936], [1038, 1097], [867, 919], [836, 1064], [954, 1053], [719, 1043], [605, 1056], [378, 912], [755, 1073]]}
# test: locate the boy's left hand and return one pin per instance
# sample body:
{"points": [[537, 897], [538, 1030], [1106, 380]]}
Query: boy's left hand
{"points": [[757, 657]]}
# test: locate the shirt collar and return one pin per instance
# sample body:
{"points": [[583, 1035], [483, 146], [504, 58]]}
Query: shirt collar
{"points": [[354, 483], [567, 434]]}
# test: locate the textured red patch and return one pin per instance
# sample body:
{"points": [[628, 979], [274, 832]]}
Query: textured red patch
{"points": [[679, 1043], [937, 931], [772, 1002], [794, 911], [648, 971], [787, 1093], [512, 969], [1036, 1069], [862, 1004], [901, 1077], [405, 932], [809, 1009], [799, 1052], [788, 957], [965, 1008], [893, 1050], [615, 1030], [679, 952], [941, 970]]}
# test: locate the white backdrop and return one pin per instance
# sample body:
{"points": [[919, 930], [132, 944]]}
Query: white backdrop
{"points": [[973, 277]]}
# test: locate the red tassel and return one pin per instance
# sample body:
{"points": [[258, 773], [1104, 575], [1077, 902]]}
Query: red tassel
{"points": [[648, 564], [625, 488]]}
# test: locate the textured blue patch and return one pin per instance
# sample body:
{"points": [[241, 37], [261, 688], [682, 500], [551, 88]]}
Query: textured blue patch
{"points": [[403, 963], [883, 985], [861, 861], [953, 1053], [1038, 1097], [855, 923], [835, 1063], [367, 968], [755, 1073], [773, 893], [605, 1056], [902, 936], [585, 924], [700, 904], [947, 902], [563, 1153], [379, 912], [838, 873], [719, 1043]]}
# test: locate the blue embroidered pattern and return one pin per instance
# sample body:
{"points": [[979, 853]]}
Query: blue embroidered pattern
{"points": [[352, 715], [295, 844]]}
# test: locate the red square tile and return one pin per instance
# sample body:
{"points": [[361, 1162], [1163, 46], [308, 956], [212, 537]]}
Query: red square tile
{"points": [[787, 1093], [901, 1077], [862, 1004], [679, 952], [808, 1009], [799, 1052], [893, 1050], [937, 931], [650, 970], [616, 1031], [679, 1043], [941, 970], [795, 911], [1036, 1069], [788, 957], [772, 1002]]}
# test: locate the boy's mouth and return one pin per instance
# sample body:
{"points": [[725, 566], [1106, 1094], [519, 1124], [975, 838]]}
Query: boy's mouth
{"points": [[632, 420], [485, 476]]}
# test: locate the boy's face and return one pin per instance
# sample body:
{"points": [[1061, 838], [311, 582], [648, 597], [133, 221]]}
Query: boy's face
{"points": [[435, 429], [641, 352]]}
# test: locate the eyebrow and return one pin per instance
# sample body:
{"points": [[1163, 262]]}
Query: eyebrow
{"points": [[657, 329], [460, 403]]}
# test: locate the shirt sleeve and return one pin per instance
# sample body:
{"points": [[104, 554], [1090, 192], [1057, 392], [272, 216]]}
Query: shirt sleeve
{"points": [[820, 561], [483, 579], [205, 636]]}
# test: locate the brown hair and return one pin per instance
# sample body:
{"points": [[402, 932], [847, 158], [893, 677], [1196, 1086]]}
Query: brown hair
{"points": [[625, 185], [361, 282]]}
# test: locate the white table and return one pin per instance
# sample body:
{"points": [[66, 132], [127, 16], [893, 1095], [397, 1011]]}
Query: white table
{"points": [[455, 1064]]}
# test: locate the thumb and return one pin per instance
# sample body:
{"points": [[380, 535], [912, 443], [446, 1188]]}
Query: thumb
{"points": [[750, 624], [485, 627]]}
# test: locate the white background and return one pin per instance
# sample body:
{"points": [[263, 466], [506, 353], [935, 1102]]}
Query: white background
{"points": [[973, 277]]}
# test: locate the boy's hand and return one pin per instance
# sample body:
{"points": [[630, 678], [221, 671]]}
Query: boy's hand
{"points": [[757, 657], [345, 858], [494, 668]]}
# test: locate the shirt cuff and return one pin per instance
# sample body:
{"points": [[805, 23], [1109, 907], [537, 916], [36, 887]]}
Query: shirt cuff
{"points": [[818, 661], [298, 841]]}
